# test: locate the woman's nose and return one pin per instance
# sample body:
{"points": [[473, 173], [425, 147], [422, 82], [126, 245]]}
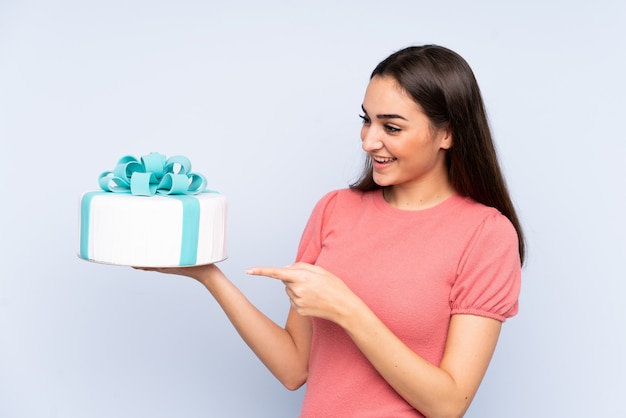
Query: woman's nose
{"points": [[370, 139]]}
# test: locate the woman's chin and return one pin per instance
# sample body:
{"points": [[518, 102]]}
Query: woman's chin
{"points": [[382, 181]]}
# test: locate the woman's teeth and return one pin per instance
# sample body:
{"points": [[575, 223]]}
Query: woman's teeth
{"points": [[383, 160]]}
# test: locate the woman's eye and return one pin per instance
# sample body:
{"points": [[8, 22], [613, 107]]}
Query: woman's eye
{"points": [[364, 119], [392, 129]]}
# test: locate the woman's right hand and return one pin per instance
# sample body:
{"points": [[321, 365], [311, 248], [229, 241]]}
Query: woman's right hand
{"points": [[201, 273]]}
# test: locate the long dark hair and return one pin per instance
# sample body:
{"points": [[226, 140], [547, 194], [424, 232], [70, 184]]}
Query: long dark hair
{"points": [[444, 86]]}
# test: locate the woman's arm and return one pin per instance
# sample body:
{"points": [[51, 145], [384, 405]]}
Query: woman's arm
{"points": [[284, 351], [444, 391]]}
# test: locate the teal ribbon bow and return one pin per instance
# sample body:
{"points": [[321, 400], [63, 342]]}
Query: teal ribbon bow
{"points": [[153, 174]]}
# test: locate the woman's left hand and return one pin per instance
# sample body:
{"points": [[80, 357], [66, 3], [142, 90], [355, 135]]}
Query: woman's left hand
{"points": [[312, 290]]}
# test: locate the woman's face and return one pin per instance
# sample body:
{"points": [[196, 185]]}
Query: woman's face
{"points": [[405, 149]]}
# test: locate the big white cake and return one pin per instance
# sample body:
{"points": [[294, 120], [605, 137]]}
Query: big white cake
{"points": [[165, 219]]}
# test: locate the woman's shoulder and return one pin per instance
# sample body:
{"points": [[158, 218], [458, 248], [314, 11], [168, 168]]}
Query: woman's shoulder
{"points": [[344, 197], [340, 200], [479, 216], [471, 207], [345, 192]]}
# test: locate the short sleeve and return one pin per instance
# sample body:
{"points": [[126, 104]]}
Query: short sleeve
{"points": [[488, 279], [313, 234]]}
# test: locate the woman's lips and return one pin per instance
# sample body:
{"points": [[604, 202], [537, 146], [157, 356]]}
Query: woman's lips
{"points": [[381, 162]]}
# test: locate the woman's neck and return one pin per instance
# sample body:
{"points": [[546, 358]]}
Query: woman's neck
{"points": [[417, 197]]}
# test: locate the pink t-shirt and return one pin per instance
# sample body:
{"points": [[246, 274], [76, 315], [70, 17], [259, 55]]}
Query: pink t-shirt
{"points": [[414, 269]]}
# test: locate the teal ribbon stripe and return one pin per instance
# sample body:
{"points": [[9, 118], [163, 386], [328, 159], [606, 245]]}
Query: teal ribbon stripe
{"points": [[85, 220], [153, 174]]}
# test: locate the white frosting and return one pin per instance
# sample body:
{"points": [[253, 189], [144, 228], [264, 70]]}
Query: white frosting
{"points": [[147, 231]]}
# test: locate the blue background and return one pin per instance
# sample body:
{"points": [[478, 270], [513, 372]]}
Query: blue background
{"points": [[264, 98]]}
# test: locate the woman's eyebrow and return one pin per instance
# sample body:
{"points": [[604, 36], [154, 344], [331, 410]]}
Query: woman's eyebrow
{"points": [[386, 115]]}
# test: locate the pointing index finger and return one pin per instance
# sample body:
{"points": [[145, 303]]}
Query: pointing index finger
{"points": [[273, 272]]}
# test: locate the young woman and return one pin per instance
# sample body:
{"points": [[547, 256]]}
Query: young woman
{"points": [[403, 280]]}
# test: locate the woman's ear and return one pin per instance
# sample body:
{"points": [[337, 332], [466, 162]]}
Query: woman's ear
{"points": [[446, 139]]}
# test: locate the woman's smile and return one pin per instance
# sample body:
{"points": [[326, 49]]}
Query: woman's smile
{"points": [[380, 163]]}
